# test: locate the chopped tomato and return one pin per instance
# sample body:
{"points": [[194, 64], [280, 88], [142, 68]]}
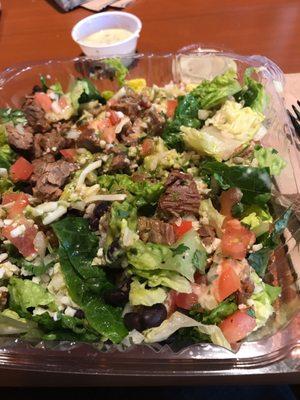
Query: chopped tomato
{"points": [[69, 154], [21, 170], [228, 199], [43, 101], [236, 239], [108, 134], [23, 241], [147, 147], [113, 117], [184, 227], [237, 326], [10, 197], [186, 300], [171, 107], [100, 124], [227, 282], [62, 102]]}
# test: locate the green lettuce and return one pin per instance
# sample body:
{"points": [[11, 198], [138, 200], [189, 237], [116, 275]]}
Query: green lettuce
{"points": [[83, 91], [169, 279], [231, 127], [12, 324], [86, 283], [258, 219], [207, 95], [253, 93], [7, 156], [144, 192], [259, 260], [255, 183], [5, 185], [12, 115], [269, 158], [215, 316], [262, 299], [177, 321], [139, 295], [119, 69], [208, 212], [185, 256], [24, 294]]}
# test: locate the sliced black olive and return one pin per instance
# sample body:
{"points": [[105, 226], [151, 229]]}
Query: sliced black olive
{"points": [[79, 314], [100, 209], [132, 321]]}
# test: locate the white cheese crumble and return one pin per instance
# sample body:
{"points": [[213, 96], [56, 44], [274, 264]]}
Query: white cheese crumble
{"points": [[18, 231]]}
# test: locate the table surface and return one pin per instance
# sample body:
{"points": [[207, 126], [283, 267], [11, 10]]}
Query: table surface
{"points": [[38, 30]]}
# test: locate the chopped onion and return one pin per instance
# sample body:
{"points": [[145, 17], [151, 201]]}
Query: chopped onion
{"points": [[106, 197], [73, 134], [54, 215], [86, 171], [3, 173], [40, 244]]}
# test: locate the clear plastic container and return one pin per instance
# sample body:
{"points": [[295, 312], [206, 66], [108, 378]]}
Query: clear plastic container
{"points": [[273, 349]]}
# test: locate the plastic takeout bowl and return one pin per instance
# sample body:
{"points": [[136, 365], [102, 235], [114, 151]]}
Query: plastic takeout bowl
{"points": [[272, 350], [108, 20]]}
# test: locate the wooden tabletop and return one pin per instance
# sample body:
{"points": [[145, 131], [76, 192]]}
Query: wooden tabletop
{"points": [[37, 29]]}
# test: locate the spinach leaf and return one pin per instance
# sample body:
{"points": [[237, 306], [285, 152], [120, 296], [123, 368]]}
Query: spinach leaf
{"points": [[86, 283], [259, 260], [255, 183]]}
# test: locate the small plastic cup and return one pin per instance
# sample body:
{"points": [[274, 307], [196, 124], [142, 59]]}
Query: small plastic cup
{"points": [[108, 20]]}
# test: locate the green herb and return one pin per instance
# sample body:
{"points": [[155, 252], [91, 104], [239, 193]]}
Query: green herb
{"points": [[12, 115], [215, 316], [180, 249]]}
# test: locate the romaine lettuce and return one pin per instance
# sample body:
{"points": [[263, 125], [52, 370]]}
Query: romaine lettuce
{"points": [[211, 216], [170, 279], [257, 218], [268, 157], [139, 295]]}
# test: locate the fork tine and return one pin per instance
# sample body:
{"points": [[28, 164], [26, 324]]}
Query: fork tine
{"points": [[294, 122], [298, 102], [297, 112]]}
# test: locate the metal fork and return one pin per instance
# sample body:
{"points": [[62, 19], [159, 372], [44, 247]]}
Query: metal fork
{"points": [[295, 118]]}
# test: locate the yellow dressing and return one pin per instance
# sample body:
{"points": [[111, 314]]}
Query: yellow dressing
{"points": [[107, 36]]}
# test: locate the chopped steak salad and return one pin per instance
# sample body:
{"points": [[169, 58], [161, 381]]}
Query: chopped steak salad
{"points": [[138, 216]]}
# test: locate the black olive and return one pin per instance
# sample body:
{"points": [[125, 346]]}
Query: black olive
{"points": [[94, 224], [79, 314], [36, 89], [100, 209], [116, 297], [153, 316], [132, 320]]}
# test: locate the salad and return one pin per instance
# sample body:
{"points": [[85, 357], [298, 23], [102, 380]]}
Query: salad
{"points": [[140, 215]]}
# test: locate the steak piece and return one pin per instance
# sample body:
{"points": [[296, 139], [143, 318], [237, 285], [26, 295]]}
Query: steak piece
{"points": [[35, 115], [156, 231], [181, 195], [155, 121], [21, 139], [49, 176], [89, 139], [132, 104], [50, 142], [119, 163], [247, 289]]}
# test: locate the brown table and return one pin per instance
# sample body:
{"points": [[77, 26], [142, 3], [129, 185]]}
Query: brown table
{"points": [[36, 29]]}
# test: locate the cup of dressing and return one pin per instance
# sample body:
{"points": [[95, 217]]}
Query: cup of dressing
{"points": [[107, 34]]}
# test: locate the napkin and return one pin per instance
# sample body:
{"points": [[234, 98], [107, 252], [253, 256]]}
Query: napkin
{"points": [[98, 5]]}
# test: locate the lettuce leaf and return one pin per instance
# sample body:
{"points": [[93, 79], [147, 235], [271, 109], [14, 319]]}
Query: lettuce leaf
{"points": [[259, 259], [177, 321], [269, 158], [257, 218], [215, 316], [253, 93], [208, 212], [83, 91], [159, 277], [139, 295], [255, 183], [7, 156], [119, 69], [12, 115], [231, 127], [24, 294], [12, 324], [205, 96], [86, 283], [144, 192]]}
